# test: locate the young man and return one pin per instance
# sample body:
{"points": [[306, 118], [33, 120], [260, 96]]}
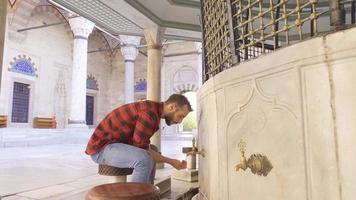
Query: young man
{"points": [[122, 138]]}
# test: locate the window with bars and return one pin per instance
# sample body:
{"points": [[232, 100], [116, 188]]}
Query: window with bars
{"points": [[20, 103]]}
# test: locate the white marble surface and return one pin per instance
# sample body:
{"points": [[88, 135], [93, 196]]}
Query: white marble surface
{"points": [[296, 108], [81, 29], [129, 51]]}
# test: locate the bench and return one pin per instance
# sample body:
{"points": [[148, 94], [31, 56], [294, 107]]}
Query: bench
{"points": [[3, 121], [120, 174], [44, 122]]}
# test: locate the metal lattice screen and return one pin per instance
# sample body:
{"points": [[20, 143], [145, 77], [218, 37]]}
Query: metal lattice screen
{"points": [[261, 26], [217, 52], [238, 30]]}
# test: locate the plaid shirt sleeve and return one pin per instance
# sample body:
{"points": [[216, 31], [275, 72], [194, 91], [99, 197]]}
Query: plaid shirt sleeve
{"points": [[144, 129]]}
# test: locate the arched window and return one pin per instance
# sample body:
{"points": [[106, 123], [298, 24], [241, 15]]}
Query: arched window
{"points": [[92, 83], [189, 123], [141, 85], [22, 64]]}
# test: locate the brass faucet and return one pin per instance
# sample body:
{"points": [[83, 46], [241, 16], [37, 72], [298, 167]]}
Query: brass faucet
{"points": [[258, 163], [243, 161], [194, 149]]}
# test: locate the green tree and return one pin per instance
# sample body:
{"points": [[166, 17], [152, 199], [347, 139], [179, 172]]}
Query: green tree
{"points": [[189, 123]]}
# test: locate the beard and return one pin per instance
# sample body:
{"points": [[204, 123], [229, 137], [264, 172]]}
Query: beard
{"points": [[169, 119], [168, 122]]}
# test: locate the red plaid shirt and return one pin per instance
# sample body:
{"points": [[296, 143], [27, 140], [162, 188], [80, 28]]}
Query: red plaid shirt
{"points": [[132, 124]]}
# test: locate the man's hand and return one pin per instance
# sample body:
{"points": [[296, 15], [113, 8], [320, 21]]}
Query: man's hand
{"points": [[174, 162], [178, 164]]}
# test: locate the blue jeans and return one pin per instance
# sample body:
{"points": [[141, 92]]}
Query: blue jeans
{"points": [[127, 156]]}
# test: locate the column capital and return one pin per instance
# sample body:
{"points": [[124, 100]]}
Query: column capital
{"points": [[154, 36], [129, 48], [81, 27]]}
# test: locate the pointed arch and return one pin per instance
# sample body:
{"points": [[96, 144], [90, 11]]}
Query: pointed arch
{"points": [[23, 13], [21, 18], [105, 43], [185, 79]]}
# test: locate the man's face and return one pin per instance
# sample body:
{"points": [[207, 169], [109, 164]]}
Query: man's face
{"points": [[176, 114]]}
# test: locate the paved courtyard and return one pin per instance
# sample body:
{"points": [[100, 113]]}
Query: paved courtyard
{"points": [[59, 171]]}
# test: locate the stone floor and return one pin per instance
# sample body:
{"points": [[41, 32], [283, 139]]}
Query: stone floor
{"points": [[61, 170]]}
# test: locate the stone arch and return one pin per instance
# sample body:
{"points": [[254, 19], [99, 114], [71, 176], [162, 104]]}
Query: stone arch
{"points": [[23, 64], [185, 87], [92, 83], [60, 15], [185, 79], [105, 43], [57, 12], [22, 15], [117, 51]]}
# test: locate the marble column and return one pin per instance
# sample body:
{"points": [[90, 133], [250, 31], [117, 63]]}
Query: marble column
{"points": [[153, 38], [81, 28], [129, 49], [198, 46], [3, 12]]}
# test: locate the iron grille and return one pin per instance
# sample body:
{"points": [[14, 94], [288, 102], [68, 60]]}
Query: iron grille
{"points": [[216, 36], [238, 30]]}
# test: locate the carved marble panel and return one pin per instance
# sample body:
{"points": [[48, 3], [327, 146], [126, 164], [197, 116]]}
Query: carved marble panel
{"points": [[264, 117], [207, 141]]}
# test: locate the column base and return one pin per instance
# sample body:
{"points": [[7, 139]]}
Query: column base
{"points": [[77, 124], [188, 175]]}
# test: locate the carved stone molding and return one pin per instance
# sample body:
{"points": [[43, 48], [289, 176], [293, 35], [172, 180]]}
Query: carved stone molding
{"points": [[129, 47], [81, 27]]}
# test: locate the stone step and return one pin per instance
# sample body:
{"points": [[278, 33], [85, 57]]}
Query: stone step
{"points": [[25, 137], [185, 195], [164, 185]]}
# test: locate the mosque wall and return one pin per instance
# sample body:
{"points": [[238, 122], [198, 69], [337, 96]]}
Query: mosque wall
{"points": [[297, 107], [117, 85], [109, 70], [179, 74], [117, 78], [49, 49], [99, 67], [140, 75], [50, 52]]}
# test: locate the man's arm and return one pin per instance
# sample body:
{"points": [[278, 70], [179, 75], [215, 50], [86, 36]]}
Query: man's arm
{"points": [[174, 162], [141, 136]]}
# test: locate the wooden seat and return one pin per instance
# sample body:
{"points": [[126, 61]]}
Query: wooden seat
{"points": [[124, 191], [44, 122], [107, 170], [3, 121], [119, 173]]}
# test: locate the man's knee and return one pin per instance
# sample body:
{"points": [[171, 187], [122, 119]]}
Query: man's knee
{"points": [[147, 160]]}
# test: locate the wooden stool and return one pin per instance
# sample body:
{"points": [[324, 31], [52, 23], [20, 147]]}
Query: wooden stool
{"points": [[3, 121], [119, 173], [124, 191]]}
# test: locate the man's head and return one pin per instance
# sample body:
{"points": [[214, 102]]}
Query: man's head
{"points": [[176, 108]]}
